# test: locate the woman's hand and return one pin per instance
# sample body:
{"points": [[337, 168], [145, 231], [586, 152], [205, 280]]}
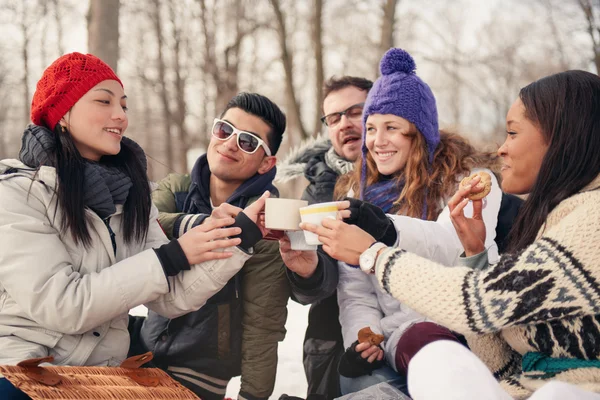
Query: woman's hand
{"points": [[223, 211], [360, 359], [471, 231], [341, 241], [302, 262], [255, 212], [369, 352], [202, 242]]}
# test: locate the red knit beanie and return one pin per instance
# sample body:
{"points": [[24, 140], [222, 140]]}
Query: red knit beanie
{"points": [[63, 83]]}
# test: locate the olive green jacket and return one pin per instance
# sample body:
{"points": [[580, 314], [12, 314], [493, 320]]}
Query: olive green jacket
{"points": [[253, 313]]}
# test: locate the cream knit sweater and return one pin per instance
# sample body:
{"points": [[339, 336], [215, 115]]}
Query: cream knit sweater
{"points": [[544, 299]]}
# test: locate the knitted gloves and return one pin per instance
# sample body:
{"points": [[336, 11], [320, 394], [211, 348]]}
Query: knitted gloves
{"points": [[372, 220], [352, 365]]}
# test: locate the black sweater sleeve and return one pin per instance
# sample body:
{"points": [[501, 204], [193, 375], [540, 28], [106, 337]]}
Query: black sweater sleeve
{"points": [[320, 285]]}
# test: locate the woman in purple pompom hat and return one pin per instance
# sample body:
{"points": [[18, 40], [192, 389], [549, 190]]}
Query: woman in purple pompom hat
{"points": [[408, 171]]}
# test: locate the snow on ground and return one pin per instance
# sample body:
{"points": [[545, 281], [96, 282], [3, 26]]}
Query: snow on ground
{"points": [[290, 372]]}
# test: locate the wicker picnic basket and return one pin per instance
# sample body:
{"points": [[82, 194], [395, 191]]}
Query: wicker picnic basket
{"points": [[128, 381]]}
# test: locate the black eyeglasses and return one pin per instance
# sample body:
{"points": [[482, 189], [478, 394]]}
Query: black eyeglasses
{"points": [[353, 112], [246, 141]]}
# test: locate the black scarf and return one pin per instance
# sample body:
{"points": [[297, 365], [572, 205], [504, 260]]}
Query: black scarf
{"points": [[103, 186], [198, 198]]}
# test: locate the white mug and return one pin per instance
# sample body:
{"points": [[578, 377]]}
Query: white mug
{"points": [[283, 214], [314, 214]]}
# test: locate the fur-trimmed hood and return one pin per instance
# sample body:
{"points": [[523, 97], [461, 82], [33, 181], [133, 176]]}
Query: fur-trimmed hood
{"points": [[294, 164]]}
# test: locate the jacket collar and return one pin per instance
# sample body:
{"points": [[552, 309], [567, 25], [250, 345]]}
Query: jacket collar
{"points": [[45, 174], [198, 198], [295, 163]]}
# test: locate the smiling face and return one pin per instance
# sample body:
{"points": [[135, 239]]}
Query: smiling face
{"points": [[98, 120], [389, 140], [522, 153], [230, 164], [345, 135]]}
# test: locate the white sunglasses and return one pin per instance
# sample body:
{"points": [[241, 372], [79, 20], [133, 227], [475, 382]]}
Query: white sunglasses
{"points": [[246, 141]]}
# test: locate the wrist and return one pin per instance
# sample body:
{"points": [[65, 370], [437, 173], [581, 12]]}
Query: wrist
{"points": [[308, 280], [474, 250], [368, 259], [309, 272]]}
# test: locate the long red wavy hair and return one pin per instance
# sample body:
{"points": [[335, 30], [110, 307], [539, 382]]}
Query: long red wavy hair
{"points": [[453, 159]]}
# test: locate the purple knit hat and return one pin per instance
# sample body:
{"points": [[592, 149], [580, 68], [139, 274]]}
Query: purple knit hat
{"points": [[399, 91]]}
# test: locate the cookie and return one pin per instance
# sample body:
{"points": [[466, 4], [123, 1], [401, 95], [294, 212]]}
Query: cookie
{"points": [[367, 335], [486, 181]]}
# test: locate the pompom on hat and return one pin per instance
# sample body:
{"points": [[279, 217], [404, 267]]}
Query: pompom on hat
{"points": [[63, 83]]}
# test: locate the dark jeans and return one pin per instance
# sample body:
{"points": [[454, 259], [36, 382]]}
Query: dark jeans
{"points": [[418, 336], [323, 347], [9, 392], [383, 374]]}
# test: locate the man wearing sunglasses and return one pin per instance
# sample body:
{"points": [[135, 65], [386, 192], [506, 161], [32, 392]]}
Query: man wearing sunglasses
{"points": [[322, 163], [238, 330]]}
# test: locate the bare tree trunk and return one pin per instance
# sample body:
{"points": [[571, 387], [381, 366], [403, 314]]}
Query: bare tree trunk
{"points": [[25, 56], [205, 122], [210, 59], [149, 146], [44, 38], [294, 116], [225, 77], [254, 72], [227, 83], [456, 85], [103, 31], [593, 28], [318, 43], [164, 96], [387, 30], [59, 29], [180, 82], [556, 35]]}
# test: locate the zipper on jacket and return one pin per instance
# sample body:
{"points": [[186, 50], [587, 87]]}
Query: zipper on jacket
{"points": [[112, 235]]}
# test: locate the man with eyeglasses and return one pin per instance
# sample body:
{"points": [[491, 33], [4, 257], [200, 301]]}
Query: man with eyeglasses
{"points": [[323, 162], [238, 330]]}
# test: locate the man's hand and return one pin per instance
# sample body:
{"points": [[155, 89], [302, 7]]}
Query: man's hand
{"points": [[255, 210], [303, 263], [341, 241], [225, 210]]}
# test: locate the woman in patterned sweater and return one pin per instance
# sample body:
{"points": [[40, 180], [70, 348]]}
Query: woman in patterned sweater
{"points": [[533, 316]]}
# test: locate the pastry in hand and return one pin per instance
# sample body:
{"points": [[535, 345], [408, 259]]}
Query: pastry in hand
{"points": [[367, 335], [486, 182]]}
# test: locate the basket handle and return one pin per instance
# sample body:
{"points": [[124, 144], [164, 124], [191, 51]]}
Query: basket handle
{"points": [[137, 374], [44, 376]]}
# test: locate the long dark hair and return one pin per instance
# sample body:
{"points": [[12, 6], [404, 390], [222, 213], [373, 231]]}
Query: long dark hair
{"points": [[70, 166], [566, 108]]}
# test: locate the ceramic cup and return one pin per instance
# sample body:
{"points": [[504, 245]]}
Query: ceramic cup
{"points": [[283, 214], [314, 214]]}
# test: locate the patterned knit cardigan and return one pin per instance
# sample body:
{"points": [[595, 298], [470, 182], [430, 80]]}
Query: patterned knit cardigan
{"points": [[544, 299]]}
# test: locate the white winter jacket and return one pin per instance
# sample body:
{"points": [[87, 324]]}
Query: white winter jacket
{"points": [[363, 303], [60, 299]]}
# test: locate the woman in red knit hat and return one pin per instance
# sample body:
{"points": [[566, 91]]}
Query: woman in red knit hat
{"points": [[81, 244]]}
